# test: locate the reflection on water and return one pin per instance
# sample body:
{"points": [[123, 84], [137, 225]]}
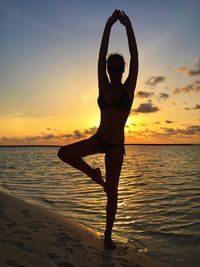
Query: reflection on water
{"points": [[159, 200]]}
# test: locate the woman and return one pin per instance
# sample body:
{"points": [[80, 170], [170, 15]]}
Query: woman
{"points": [[115, 101]]}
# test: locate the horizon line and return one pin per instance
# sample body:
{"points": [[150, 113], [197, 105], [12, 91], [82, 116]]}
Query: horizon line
{"points": [[152, 144]]}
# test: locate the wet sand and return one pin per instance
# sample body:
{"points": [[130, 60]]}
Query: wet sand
{"points": [[31, 235]]}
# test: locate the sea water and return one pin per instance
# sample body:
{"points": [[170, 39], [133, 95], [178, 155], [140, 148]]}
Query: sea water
{"points": [[159, 195]]}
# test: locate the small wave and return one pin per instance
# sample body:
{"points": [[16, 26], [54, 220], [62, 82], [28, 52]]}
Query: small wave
{"points": [[47, 200], [174, 235]]}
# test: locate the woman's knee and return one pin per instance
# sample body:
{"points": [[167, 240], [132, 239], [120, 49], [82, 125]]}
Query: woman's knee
{"points": [[63, 153], [59, 153]]}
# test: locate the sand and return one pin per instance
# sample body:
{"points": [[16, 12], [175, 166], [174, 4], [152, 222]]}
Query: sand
{"points": [[31, 235]]}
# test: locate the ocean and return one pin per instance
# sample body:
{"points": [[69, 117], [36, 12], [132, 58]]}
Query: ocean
{"points": [[159, 195]]}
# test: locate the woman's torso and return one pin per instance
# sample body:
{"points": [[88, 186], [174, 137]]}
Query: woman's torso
{"points": [[115, 104]]}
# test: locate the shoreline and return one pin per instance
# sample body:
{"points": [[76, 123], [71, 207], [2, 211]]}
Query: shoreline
{"points": [[32, 235]]}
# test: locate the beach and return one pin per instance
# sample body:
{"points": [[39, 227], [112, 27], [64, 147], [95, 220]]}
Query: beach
{"points": [[31, 235]]}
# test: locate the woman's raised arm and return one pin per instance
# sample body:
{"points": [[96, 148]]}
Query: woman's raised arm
{"points": [[133, 68], [102, 75]]}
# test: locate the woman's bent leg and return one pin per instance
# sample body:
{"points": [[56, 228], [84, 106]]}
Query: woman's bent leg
{"points": [[73, 153], [113, 161]]}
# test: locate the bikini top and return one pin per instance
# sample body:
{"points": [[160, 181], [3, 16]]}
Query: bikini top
{"points": [[122, 103]]}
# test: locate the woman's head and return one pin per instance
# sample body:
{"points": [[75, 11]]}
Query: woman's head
{"points": [[115, 67]]}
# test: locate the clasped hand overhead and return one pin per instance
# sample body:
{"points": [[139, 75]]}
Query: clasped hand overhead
{"points": [[121, 16]]}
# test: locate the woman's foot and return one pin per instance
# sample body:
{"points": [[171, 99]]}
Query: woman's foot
{"points": [[109, 244], [97, 178]]}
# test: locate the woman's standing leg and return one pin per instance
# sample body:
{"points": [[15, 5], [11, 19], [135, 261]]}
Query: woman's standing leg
{"points": [[73, 153], [113, 162]]}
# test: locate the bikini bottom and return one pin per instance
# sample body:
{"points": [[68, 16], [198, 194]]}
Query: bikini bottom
{"points": [[105, 147]]}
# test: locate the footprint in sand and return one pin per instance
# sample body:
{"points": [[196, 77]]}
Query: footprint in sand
{"points": [[11, 224], [65, 264], [63, 237], [13, 263], [2, 212], [26, 213], [23, 235], [92, 248], [21, 246], [77, 245], [39, 224], [61, 228], [52, 255], [33, 227]]}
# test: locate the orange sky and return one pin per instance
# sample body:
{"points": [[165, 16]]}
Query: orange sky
{"points": [[48, 79]]}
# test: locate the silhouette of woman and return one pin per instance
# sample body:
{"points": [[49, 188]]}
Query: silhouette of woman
{"points": [[115, 101]]}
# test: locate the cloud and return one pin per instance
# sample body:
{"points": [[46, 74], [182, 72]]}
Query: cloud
{"points": [[16, 113], [163, 96], [144, 94], [190, 72], [74, 136], [197, 106], [197, 59], [10, 139], [78, 135], [91, 130], [152, 81], [189, 130], [193, 87], [30, 138], [146, 108], [49, 136], [66, 136], [168, 121], [51, 129]]}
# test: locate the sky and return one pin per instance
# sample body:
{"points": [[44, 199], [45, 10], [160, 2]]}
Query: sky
{"points": [[48, 71]]}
